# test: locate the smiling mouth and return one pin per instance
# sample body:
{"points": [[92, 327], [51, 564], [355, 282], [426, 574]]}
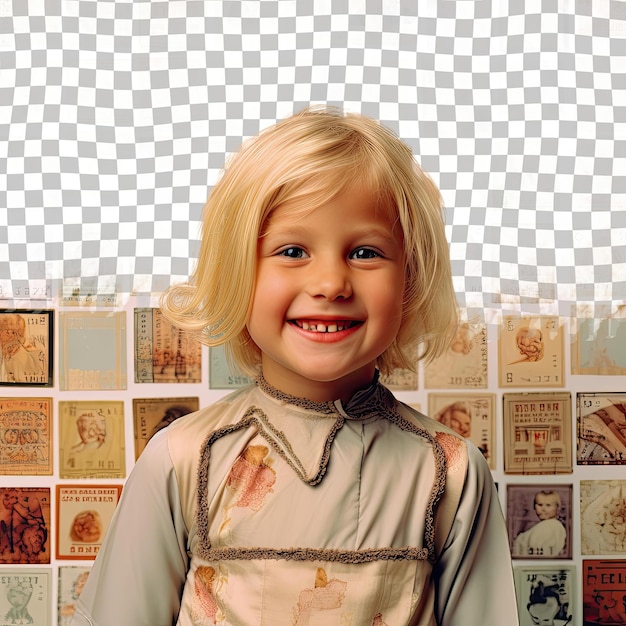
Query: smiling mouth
{"points": [[317, 326]]}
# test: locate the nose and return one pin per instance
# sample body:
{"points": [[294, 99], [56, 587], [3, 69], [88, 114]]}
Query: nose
{"points": [[330, 279]]}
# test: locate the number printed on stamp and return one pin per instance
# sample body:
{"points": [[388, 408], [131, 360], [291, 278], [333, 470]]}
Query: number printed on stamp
{"points": [[531, 352]]}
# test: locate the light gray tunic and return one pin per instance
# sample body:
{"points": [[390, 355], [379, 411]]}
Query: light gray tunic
{"points": [[267, 509]]}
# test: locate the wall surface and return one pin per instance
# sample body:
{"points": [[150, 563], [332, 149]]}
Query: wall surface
{"points": [[116, 117]]}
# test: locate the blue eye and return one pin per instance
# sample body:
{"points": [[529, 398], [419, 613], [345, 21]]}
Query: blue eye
{"points": [[364, 253], [293, 252]]}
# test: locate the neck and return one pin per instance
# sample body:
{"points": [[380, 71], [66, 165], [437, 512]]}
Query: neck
{"points": [[319, 390]]}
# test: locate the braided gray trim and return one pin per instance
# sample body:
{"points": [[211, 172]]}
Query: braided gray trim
{"points": [[253, 416], [319, 407], [381, 401], [367, 403], [441, 468], [317, 554]]}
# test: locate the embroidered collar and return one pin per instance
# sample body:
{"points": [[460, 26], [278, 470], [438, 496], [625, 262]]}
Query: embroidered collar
{"points": [[365, 403]]}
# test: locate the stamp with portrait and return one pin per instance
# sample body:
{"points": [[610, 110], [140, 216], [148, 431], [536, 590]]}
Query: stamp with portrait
{"points": [[84, 513], [471, 415], [464, 364], [539, 520], [546, 594], [26, 345], [153, 414], [91, 439], [531, 352]]}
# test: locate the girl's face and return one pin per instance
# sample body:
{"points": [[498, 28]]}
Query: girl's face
{"points": [[328, 295]]}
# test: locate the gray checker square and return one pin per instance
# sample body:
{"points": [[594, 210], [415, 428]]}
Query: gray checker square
{"points": [[116, 119]]}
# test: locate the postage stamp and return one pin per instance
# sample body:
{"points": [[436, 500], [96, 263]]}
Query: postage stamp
{"points": [[531, 352]]}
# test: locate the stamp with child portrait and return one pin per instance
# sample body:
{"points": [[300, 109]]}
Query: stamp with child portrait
{"points": [[537, 433], [539, 520], [464, 364], [91, 439], [471, 415], [531, 352]]}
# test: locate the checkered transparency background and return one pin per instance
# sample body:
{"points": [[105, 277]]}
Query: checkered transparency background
{"points": [[116, 117]]}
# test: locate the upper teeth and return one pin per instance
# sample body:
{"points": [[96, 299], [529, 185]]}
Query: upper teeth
{"points": [[319, 327]]}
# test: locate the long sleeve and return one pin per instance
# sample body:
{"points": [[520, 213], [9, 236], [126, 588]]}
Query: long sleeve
{"points": [[139, 573], [474, 576]]}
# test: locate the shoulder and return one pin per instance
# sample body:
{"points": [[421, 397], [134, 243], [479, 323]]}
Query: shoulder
{"points": [[199, 424], [424, 422]]}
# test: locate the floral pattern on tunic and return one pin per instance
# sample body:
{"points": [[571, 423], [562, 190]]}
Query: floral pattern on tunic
{"points": [[452, 447], [251, 478], [378, 620], [325, 595], [204, 604]]}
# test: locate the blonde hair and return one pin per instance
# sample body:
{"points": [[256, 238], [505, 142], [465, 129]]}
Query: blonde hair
{"points": [[307, 160]]}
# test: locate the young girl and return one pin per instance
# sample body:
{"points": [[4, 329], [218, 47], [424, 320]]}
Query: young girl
{"points": [[313, 496]]}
